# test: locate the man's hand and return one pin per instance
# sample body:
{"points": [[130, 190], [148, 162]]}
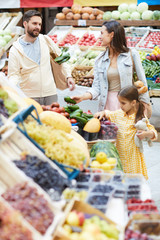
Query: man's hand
{"points": [[71, 83]]}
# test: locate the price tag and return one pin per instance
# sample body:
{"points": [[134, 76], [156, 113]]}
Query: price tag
{"points": [[81, 22]]}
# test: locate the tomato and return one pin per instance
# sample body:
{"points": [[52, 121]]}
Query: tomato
{"points": [[66, 114], [73, 120], [62, 110], [54, 104], [56, 109], [63, 114]]}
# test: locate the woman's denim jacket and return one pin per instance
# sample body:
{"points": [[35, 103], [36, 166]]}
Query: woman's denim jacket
{"points": [[125, 69]]}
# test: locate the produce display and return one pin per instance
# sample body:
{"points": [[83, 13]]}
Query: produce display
{"points": [[132, 11], [89, 226], [11, 225], [70, 39], [109, 149], [101, 161], [57, 144], [31, 204], [108, 130], [7, 105], [77, 12], [43, 174], [131, 234], [152, 39], [138, 205]]}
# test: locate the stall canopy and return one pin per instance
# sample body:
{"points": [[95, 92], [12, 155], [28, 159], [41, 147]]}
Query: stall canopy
{"points": [[67, 3]]}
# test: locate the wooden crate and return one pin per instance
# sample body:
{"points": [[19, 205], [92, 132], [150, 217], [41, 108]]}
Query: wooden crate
{"points": [[11, 175]]}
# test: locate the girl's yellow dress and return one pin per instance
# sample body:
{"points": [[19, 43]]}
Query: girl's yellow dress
{"points": [[132, 159]]}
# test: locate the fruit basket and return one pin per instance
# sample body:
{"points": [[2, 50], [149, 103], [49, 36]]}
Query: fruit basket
{"points": [[108, 130], [70, 171]]}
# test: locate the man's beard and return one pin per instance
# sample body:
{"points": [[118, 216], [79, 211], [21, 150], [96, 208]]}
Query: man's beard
{"points": [[32, 34]]}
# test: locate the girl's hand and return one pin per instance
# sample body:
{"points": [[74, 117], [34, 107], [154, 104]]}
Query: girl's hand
{"points": [[141, 134], [99, 115]]}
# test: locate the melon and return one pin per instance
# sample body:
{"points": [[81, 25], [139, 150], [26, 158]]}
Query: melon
{"points": [[79, 137], [92, 126], [56, 120], [30, 101]]}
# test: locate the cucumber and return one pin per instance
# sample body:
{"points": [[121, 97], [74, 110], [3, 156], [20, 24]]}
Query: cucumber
{"points": [[69, 100]]}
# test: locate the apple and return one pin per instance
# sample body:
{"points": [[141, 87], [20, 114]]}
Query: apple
{"points": [[148, 57], [153, 57], [81, 218], [72, 219], [158, 57]]}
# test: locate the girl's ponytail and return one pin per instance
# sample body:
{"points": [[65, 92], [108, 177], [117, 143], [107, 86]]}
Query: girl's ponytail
{"points": [[140, 112]]}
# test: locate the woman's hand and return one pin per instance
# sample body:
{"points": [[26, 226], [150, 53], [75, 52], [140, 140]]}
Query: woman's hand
{"points": [[99, 115], [77, 98]]}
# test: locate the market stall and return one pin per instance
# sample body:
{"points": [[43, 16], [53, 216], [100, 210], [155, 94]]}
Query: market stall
{"points": [[61, 176]]}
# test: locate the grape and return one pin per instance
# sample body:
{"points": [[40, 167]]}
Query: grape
{"points": [[33, 207]]}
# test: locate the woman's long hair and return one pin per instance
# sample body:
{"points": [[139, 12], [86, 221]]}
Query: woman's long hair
{"points": [[131, 93], [119, 39]]}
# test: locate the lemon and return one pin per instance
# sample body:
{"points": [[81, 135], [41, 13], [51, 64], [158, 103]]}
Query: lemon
{"points": [[105, 166], [112, 161], [101, 157], [95, 164]]}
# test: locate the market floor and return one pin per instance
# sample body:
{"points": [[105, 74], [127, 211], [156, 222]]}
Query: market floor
{"points": [[152, 154]]}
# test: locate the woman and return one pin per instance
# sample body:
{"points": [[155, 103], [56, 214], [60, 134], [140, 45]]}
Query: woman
{"points": [[114, 69]]}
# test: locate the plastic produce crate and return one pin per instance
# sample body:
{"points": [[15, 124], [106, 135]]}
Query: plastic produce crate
{"points": [[70, 171]]}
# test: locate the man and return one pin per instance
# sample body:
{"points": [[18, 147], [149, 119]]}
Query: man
{"points": [[29, 62]]}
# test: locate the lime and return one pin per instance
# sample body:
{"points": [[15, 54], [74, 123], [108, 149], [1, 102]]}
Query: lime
{"points": [[101, 157]]}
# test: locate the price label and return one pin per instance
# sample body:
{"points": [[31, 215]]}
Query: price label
{"points": [[82, 22]]}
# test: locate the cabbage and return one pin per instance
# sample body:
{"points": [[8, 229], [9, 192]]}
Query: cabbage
{"points": [[142, 7], [156, 15], [123, 7], [132, 8], [147, 15], [2, 42], [107, 15], [135, 16], [7, 37], [125, 16], [116, 15]]}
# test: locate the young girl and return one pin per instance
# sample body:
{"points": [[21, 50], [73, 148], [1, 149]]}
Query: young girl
{"points": [[131, 111]]}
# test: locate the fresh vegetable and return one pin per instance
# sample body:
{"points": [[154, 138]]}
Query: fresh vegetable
{"points": [[147, 15], [156, 15], [73, 107], [125, 16], [132, 8], [143, 6], [69, 100], [81, 120], [135, 15], [123, 7], [107, 15], [76, 113], [62, 58], [116, 15], [56, 120], [109, 149]]}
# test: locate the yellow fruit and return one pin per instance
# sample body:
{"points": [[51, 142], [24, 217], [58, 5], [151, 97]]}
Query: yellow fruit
{"points": [[156, 48], [95, 164], [101, 157], [30, 101], [56, 120], [154, 52], [112, 161], [92, 126], [105, 166]]}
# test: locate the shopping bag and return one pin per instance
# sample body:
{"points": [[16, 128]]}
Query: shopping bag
{"points": [[57, 70]]}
